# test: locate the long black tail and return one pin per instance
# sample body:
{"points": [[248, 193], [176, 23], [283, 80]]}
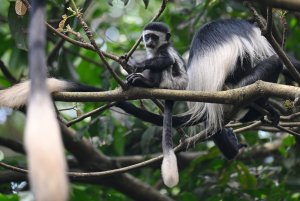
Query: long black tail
{"points": [[169, 165]]}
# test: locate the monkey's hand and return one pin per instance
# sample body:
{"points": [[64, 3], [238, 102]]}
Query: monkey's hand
{"points": [[134, 78], [227, 142], [274, 116]]}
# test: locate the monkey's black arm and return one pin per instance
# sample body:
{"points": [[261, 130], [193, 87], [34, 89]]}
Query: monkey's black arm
{"points": [[158, 63], [267, 70], [227, 143]]}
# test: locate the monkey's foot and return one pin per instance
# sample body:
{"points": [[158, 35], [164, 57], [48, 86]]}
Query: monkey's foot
{"points": [[227, 142]]}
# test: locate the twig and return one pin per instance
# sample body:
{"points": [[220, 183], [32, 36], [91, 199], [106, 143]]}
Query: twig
{"points": [[88, 59], [284, 4], [290, 117], [260, 20], [88, 114], [75, 42], [13, 168], [188, 141], [93, 42], [251, 126], [279, 106], [81, 44], [265, 112], [284, 129]]}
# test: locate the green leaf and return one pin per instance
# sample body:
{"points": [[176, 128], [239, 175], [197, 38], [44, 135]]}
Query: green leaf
{"points": [[247, 180], [147, 137], [146, 2], [187, 196], [119, 142], [18, 27], [289, 141], [9, 197], [282, 150]]}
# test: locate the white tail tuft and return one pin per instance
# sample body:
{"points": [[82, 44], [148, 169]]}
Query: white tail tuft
{"points": [[46, 159], [16, 96], [169, 169]]}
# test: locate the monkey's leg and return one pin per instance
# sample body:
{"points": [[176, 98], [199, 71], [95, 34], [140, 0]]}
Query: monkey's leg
{"points": [[227, 143], [267, 70], [138, 80]]}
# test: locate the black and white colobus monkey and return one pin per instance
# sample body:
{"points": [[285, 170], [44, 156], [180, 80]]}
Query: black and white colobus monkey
{"points": [[163, 68], [224, 54], [229, 53]]}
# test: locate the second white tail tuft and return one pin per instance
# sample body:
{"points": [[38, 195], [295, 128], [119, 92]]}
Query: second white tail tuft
{"points": [[169, 169]]}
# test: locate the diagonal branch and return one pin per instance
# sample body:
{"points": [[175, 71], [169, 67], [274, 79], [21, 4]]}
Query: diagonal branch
{"points": [[93, 42], [75, 42], [293, 5], [93, 112], [267, 31]]}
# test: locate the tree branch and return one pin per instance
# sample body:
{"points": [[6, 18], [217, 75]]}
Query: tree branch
{"points": [[233, 96], [88, 114], [93, 160], [75, 42]]}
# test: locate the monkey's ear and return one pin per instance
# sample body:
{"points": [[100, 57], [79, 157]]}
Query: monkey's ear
{"points": [[168, 36]]}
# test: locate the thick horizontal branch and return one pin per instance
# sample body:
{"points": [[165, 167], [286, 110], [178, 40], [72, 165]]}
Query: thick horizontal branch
{"points": [[284, 4], [233, 96]]}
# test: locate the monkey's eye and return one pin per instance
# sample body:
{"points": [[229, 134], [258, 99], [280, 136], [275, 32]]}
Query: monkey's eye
{"points": [[147, 36], [154, 37], [151, 36]]}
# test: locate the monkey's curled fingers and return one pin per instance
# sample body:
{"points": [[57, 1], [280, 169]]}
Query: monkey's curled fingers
{"points": [[132, 77]]}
